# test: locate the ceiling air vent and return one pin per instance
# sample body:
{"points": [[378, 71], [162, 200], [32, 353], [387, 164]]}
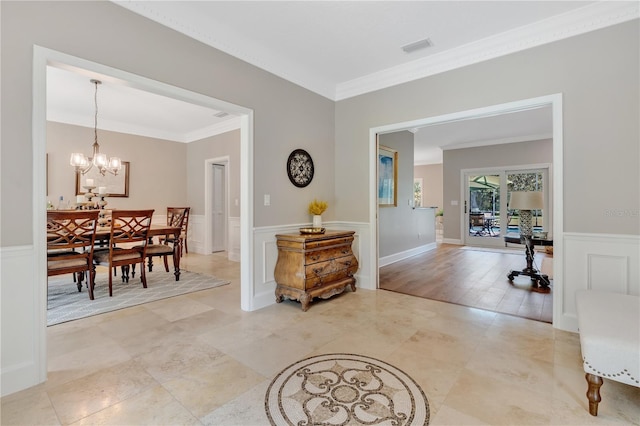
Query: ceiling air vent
{"points": [[417, 45], [221, 114]]}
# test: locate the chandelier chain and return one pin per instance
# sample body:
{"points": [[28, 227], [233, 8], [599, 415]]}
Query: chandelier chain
{"points": [[100, 161], [95, 117]]}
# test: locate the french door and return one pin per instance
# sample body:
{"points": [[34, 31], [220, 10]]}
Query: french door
{"points": [[487, 217]]}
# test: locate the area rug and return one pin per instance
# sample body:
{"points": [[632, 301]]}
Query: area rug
{"points": [[345, 389], [65, 303]]}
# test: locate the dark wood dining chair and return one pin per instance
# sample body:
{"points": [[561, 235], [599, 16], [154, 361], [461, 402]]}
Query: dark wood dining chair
{"points": [[70, 240], [177, 215], [127, 243], [168, 244]]}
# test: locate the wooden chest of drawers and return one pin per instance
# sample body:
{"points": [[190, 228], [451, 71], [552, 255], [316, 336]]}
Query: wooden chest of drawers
{"points": [[317, 265]]}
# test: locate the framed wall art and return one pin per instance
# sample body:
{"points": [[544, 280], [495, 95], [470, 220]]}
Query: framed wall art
{"points": [[115, 186], [387, 176]]}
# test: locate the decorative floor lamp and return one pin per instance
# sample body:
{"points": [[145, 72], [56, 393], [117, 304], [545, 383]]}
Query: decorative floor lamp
{"points": [[525, 201]]}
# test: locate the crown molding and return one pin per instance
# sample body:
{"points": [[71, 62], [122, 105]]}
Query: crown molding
{"points": [[165, 12], [586, 19], [233, 123], [592, 17], [486, 142]]}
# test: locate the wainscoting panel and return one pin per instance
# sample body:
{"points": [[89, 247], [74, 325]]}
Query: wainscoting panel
{"points": [[266, 256], [22, 318], [608, 273], [233, 240], [196, 236], [598, 262], [361, 249]]}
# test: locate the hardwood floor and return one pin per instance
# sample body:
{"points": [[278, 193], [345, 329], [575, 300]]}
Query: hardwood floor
{"points": [[472, 278]]}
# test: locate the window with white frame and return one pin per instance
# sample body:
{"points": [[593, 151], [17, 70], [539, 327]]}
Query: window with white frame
{"points": [[417, 192]]}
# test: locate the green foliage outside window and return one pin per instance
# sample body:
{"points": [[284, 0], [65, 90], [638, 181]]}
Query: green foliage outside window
{"points": [[487, 198], [417, 194]]}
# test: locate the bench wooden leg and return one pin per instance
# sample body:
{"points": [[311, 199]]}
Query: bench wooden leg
{"points": [[593, 392]]}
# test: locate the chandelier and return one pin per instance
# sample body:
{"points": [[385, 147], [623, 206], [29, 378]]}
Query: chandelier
{"points": [[100, 161]]}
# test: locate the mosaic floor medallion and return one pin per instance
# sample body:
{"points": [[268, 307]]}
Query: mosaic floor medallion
{"points": [[345, 389]]}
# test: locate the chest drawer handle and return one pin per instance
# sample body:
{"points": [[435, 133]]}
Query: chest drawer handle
{"points": [[316, 257], [347, 263], [347, 251], [317, 270]]}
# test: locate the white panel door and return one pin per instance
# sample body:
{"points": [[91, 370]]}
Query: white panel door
{"points": [[218, 208]]}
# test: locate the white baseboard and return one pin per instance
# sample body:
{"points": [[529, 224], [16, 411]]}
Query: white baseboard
{"points": [[452, 241], [388, 260]]}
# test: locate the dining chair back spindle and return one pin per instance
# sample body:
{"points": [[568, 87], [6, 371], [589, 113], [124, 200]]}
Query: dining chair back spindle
{"points": [[178, 216], [127, 243], [70, 241]]}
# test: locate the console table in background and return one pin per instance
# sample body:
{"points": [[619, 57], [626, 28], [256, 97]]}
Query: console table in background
{"points": [[540, 282], [314, 265]]}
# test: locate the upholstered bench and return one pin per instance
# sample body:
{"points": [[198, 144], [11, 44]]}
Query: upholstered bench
{"points": [[609, 326]]}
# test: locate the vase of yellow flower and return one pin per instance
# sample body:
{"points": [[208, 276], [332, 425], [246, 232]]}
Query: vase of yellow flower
{"points": [[316, 208]]}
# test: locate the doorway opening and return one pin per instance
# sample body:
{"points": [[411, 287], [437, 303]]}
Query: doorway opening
{"points": [[44, 57], [216, 193], [556, 181]]}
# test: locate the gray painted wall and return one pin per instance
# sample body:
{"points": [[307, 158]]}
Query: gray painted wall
{"points": [[598, 75], [223, 145], [402, 227], [157, 171], [162, 173], [286, 116], [432, 190]]}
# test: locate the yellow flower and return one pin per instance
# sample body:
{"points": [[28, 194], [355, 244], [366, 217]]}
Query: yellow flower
{"points": [[317, 207]]}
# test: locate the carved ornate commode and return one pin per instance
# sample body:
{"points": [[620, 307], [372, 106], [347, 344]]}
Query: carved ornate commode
{"points": [[316, 265]]}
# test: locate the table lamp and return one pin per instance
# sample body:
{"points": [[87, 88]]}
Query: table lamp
{"points": [[525, 201]]}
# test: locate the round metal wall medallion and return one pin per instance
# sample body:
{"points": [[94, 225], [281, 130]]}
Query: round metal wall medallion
{"points": [[300, 168]]}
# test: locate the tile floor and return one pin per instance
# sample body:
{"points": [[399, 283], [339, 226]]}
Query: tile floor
{"points": [[198, 359]]}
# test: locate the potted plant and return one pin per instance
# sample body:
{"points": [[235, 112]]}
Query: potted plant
{"points": [[316, 208]]}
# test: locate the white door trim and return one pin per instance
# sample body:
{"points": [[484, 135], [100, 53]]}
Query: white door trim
{"points": [[41, 58], [208, 176]]}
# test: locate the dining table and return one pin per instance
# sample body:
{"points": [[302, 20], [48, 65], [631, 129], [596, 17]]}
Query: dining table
{"points": [[155, 230]]}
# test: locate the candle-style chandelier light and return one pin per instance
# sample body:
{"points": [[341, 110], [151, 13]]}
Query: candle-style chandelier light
{"points": [[100, 161]]}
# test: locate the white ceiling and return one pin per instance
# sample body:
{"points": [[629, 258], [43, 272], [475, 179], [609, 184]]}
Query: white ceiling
{"points": [[122, 108], [339, 49]]}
